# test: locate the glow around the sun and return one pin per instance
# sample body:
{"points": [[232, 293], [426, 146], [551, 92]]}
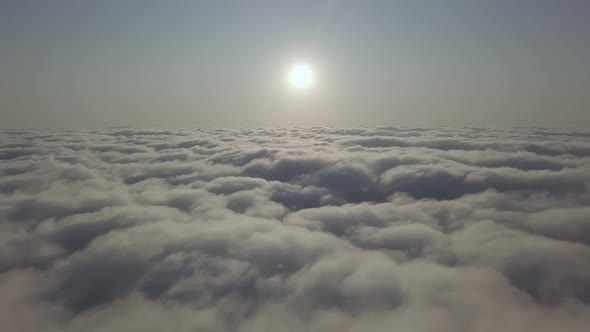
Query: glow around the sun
{"points": [[301, 76]]}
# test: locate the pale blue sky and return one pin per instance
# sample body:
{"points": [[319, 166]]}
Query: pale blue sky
{"points": [[77, 63]]}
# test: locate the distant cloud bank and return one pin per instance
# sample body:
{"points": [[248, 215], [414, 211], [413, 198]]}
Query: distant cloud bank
{"points": [[295, 229]]}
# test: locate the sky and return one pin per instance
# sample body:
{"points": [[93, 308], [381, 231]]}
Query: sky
{"points": [[87, 64], [241, 166]]}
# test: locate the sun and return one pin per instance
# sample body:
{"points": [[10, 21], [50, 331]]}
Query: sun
{"points": [[301, 76]]}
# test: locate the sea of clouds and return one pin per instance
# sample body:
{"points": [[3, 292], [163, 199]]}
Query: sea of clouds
{"points": [[295, 229]]}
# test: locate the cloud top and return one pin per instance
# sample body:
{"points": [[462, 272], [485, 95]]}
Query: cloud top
{"points": [[295, 229]]}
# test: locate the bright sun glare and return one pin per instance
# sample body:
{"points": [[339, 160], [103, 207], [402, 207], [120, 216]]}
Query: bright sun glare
{"points": [[301, 76]]}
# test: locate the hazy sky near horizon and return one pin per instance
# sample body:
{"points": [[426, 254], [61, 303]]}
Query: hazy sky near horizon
{"points": [[66, 63]]}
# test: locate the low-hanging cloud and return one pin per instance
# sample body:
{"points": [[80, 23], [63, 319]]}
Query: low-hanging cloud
{"points": [[295, 229]]}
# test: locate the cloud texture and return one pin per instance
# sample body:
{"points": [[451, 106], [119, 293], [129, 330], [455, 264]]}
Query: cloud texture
{"points": [[295, 229]]}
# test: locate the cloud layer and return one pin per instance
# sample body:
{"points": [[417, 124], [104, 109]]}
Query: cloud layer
{"points": [[295, 229]]}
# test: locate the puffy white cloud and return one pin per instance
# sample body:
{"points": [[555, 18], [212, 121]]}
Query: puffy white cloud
{"points": [[295, 229]]}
